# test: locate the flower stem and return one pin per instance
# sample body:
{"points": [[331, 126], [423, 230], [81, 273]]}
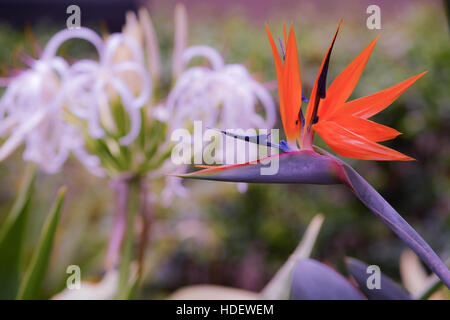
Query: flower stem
{"points": [[147, 217], [121, 190]]}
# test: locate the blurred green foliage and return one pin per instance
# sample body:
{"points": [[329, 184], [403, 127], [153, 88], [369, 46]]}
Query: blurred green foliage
{"points": [[218, 235]]}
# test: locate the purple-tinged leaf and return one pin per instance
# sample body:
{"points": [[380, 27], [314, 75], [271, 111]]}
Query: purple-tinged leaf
{"points": [[293, 167], [389, 289], [313, 280], [382, 209], [323, 168]]}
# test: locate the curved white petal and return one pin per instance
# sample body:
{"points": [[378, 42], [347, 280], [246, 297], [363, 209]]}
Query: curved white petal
{"points": [[211, 54], [146, 84], [62, 36]]}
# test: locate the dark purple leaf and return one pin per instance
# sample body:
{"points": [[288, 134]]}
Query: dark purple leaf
{"points": [[389, 290], [378, 205], [294, 167], [313, 280], [314, 168]]}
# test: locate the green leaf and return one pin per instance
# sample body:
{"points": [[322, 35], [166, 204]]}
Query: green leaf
{"points": [[12, 236], [31, 285], [433, 285], [132, 286], [279, 287]]}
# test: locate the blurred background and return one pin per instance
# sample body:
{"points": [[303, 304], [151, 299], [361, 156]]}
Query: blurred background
{"points": [[221, 236]]}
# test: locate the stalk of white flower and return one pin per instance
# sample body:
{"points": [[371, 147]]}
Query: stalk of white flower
{"points": [[151, 44], [180, 39], [132, 28]]}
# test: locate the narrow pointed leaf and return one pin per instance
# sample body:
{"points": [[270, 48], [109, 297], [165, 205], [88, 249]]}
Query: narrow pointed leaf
{"points": [[12, 235], [293, 167], [32, 282], [313, 280], [382, 209], [310, 167], [279, 286], [389, 290]]}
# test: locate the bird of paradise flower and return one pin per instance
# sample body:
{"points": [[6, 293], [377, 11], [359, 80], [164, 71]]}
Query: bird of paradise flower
{"points": [[345, 128]]}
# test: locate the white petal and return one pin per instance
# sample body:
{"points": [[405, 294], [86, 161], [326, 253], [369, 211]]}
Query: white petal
{"points": [[211, 54]]}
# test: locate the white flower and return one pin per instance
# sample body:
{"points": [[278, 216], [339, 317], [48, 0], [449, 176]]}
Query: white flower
{"points": [[92, 85], [223, 95], [31, 110]]}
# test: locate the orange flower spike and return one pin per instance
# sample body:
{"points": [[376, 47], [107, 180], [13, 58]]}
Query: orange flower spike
{"points": [[344, 84], [318, 93], [369, 106], [289, 85], [344, 126], [348, 132], [351, 145]]}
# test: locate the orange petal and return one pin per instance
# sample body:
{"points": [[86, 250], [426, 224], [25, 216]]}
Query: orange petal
{"points": [[344, 84], [370, 105], [312, 99], [349, 144], [292, 88], [279, 71], [368, 129], [276, 58]]}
